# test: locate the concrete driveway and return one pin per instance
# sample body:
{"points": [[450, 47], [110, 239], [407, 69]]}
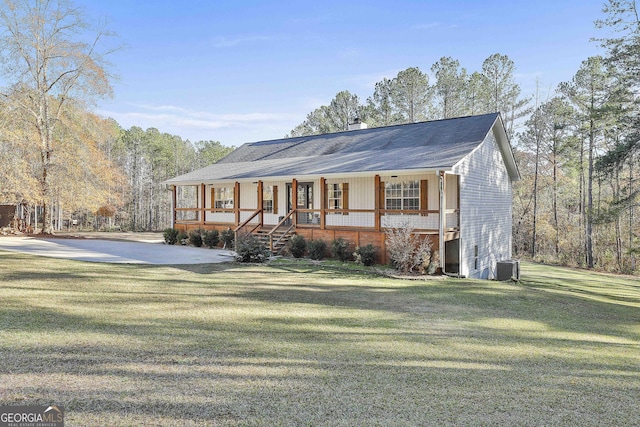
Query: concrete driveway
{"points": [[113, 251]]}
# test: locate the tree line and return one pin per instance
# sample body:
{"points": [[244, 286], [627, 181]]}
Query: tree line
{"points": [[576, 147], [578, 154], [411, 97], [59, 161]]}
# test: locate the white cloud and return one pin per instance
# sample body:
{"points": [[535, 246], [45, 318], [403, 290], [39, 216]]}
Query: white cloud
{"points": [[202, 125]]}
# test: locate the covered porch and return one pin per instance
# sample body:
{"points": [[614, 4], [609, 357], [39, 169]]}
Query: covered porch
{"points": [[356, 208]]}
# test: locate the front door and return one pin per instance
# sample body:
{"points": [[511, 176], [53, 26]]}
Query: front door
{"points": [[304, 201]]}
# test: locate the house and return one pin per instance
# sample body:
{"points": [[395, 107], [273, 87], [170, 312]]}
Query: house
{"points": [[449, 179]]}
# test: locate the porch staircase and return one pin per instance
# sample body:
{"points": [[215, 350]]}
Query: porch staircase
{"points": [[279, 236], [275, 238]]}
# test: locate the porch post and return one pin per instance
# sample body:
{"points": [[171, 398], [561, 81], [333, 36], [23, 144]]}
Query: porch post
{"points": [[443, 219], [204, 202], [174, 213], [294, 200], [261, 202], [236, 202], [377, 201], [323, 203]]}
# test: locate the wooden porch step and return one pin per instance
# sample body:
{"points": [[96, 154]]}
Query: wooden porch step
{"points": [[282, 237]]}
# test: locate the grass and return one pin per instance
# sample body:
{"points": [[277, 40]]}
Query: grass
{"points": [[298, 344]]}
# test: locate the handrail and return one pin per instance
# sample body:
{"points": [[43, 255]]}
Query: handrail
{"points": [[248, 220], [282, 221], [273, 244]]}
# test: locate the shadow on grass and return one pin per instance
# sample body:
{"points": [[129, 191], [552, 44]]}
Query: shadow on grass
{"points": [[303, 345], [203, 372]]}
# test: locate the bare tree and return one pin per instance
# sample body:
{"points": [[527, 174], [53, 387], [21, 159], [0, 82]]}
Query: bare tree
{"points": [[48, 60]]}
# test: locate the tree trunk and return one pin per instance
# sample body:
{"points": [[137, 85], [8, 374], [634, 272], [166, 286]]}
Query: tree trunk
{"points": [[631, 223], [554, 200], [535, 200], [589, 210], [582, 210]]}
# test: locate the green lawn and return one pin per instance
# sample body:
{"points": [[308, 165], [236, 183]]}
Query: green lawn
{"points": [[292, 344]]}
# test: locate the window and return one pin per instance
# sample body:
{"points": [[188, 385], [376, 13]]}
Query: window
{"points": [[403, 195], [334, 196], [223, 197], [270, 199], [337, 198], [475, 257]]}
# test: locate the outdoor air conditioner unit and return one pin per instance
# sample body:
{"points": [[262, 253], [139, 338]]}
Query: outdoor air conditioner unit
{"points": [[508, 270]]}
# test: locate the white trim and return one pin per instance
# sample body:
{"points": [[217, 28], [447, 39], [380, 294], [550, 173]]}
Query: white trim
{"points": [[502, 140]]}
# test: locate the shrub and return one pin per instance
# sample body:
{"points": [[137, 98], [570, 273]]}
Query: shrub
{"points": [[409, 252], [317, 249], [182, 238], [365, 255], [297, 246], [195, 238], [341, 249], [227, 236], [170, 236], [251, 249], [211, 238]]}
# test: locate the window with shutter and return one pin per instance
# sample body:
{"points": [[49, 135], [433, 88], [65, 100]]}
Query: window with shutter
{"points": [[223, 198], [402, 195], [334, 197], [267, 199]]}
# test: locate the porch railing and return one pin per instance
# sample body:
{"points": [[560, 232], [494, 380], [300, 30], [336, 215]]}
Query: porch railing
{"points": [[427, 220], [281, 234]]}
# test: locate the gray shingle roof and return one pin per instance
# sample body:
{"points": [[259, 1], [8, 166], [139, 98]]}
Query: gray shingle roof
{"points": [[424, 145]]}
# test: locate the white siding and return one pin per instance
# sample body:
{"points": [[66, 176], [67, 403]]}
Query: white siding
{"points": [[451, 198], [220, 217], [429, 222], [485, 211], [249, 196], [274, 218], [362, 195], [451, 191]]}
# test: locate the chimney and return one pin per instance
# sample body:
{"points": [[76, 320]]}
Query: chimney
{"points": [[357, 124]]}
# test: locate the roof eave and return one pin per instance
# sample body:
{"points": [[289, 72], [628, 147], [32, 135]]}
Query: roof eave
{"points": [[309, 177]]}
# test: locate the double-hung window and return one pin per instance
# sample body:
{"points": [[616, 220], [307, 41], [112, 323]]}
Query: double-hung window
{"points": [[223, 198], [334, 196], [337, 198], [402, 195], [270, 199]]}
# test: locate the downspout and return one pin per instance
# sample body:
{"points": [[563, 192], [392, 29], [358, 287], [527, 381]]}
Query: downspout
{"points": [[443, 220]]}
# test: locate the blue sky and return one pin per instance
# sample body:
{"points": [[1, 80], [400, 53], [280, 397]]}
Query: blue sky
{"points": [[243, 71]]}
